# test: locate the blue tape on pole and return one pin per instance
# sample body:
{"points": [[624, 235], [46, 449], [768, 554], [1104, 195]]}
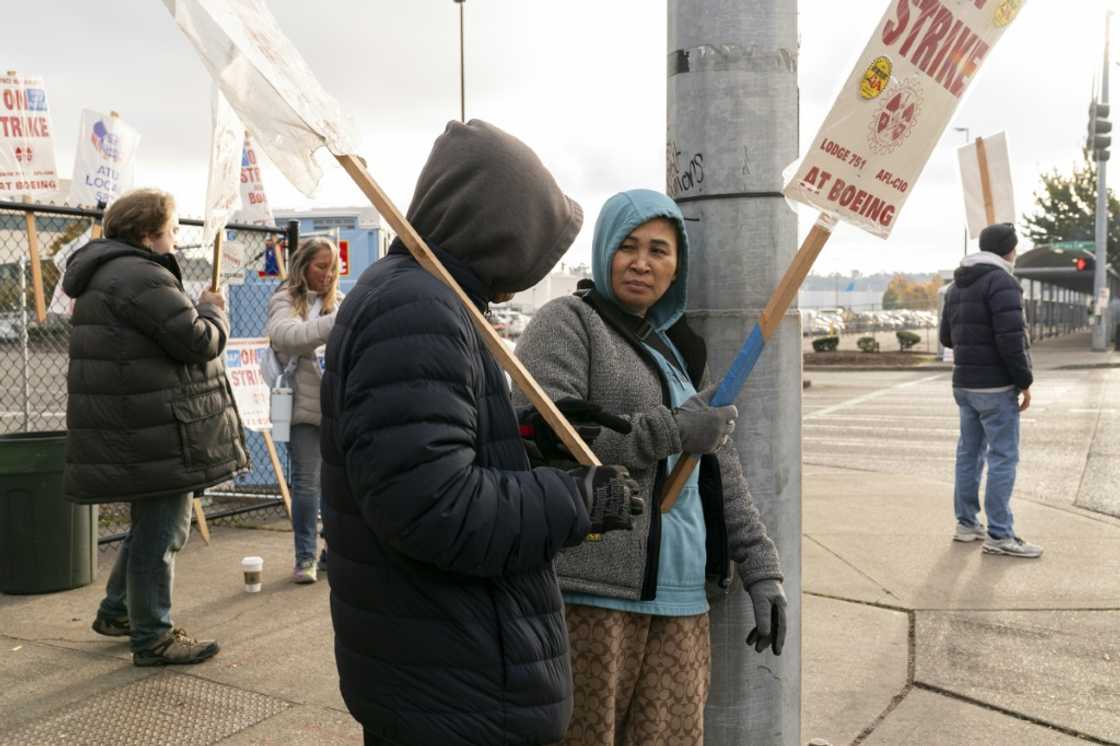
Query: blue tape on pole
{"points": [[741, 368]]}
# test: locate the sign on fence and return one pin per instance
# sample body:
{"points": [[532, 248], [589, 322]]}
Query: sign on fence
{"points": [[894, 106], [249, 388], [255, 209], [105, 159], [27, 165]]}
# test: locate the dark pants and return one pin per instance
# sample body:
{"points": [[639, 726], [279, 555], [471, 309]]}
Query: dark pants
{"points": [[140, 584]]}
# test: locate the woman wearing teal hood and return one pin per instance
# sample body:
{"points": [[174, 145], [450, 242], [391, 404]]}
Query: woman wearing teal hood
{"points": [[637, 601]]}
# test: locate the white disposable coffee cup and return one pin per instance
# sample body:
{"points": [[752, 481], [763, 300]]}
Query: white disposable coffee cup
{"points": [[251, 567]]}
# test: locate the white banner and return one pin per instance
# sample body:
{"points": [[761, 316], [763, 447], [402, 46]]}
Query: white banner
{"points": [[105, 160], [27, 165], [997, 163], [223, 194], [255, 209], [897, 101], [267, 82], [249, 388]]}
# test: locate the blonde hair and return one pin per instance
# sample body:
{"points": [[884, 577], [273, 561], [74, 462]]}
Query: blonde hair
{"points": [[298, 288], [137, 215]]}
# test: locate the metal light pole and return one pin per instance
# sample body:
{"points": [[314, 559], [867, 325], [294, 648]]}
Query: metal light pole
{"points": [[732, 128], [1100, 329], [967, 140], [462, 68]]}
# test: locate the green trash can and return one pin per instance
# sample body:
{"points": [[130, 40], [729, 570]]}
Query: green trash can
{"points": [[46, 543]]}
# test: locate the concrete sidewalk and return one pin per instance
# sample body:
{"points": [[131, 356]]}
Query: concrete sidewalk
{"points": [[911, 638], [908, 638]]}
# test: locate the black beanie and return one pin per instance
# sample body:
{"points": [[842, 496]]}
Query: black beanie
{"points": [[999, 239]]}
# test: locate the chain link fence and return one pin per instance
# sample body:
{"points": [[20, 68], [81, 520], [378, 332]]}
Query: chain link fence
{"points": [[34, 355]]}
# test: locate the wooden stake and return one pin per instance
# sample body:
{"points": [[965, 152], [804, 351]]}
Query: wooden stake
{"points": [[985, 180], [36, 265], [216, 273], [772, 316], [279, 470], [200, 517], [424, 256]]}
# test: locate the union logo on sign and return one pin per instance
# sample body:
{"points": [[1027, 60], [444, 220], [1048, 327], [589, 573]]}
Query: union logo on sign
{"points": [[895, 119], [24, 154], [106, 143], [1007, 11]]}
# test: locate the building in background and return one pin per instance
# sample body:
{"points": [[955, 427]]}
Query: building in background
{"points": [[361, 236], [559, 282]]}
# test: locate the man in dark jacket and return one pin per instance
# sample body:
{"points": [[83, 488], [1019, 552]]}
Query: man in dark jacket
{"points": [[983, 323], [150, 416], [447, 614]]}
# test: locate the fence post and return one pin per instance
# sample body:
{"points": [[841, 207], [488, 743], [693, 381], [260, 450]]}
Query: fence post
{"points": [[24, 338]]}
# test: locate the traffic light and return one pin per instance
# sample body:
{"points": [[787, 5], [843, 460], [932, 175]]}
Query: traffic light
{"points": [[1081, 263], [1099, 127]]}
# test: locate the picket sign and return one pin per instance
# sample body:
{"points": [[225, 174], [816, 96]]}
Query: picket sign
{"points": [[251, 392], [873, 145]]}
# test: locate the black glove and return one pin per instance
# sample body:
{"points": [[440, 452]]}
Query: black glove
{"points": [[543, 445], [611, 497], [769, 616]]}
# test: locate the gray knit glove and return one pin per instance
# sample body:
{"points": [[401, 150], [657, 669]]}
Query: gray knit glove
{"points": [[769, 601], [702, 427], [610, 495]]}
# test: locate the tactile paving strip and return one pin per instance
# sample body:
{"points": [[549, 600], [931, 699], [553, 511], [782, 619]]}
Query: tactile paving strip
{"points": [[167, 708]]}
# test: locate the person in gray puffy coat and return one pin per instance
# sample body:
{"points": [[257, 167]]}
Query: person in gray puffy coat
{"points": [[301, 315], [150, 415], [637, 602]]}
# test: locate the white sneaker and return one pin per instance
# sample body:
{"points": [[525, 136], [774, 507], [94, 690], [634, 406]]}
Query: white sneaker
{"points": [[1012, 546], [970, 533]]}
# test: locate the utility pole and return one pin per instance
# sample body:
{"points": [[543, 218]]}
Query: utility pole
{"points": [[1099, 127], [732, 128], [967, 140], [462, 67]]}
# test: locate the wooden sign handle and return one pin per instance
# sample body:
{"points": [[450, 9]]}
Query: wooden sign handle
{"points": [[200, 518], [36, 266], [985, 180], [428, 260], [273, 457], [216, 273], [751, 350]]}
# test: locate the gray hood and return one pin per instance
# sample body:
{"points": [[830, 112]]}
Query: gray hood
{"points": [[485, 198]]}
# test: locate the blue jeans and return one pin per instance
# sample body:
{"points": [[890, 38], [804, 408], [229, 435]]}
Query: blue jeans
{"points": [[306, 465], [140, 584], [989, 428]]}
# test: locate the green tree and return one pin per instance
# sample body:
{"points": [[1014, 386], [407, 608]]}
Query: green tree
{"points": [[1066, 210], [902, 292]]}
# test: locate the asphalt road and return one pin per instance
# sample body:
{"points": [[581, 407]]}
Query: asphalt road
{"points": [[906, 423]]}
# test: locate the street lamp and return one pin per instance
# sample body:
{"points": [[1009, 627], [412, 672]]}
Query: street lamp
{"points": [[967, 140], [462, 72]]}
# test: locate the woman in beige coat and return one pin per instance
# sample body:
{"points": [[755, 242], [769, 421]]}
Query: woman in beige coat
{"points": [[301, 314]]}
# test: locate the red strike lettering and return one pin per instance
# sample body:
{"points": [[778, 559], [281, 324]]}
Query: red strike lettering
{"points": [[939, 44]]}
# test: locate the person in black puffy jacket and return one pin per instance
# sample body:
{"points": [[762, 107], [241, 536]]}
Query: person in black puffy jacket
{"points": [[150, 415], [984, 325], [447, 613]]}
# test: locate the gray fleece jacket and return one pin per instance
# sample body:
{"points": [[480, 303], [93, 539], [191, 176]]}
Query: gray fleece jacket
{"points": [[573, 352]]}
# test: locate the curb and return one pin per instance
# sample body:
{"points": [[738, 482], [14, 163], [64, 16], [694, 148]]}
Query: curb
{"points": [[879, 368]]}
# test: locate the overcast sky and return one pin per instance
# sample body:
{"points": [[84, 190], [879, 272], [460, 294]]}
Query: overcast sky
{"points": [[581, 81]]}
